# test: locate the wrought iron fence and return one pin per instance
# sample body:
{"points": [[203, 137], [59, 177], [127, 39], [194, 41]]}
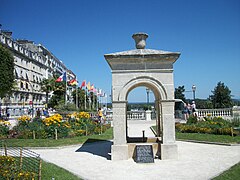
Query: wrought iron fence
{"points": [[25, 160]]}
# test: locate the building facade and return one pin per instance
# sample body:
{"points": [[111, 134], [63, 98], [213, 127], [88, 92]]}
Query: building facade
{"points": [[33, 63]]}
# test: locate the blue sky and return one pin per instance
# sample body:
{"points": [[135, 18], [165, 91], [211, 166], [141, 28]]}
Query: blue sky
{"points": [[80, 32]]}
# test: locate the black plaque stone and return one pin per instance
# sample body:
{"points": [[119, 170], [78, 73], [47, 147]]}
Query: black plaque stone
{"points": [[144, 154]]}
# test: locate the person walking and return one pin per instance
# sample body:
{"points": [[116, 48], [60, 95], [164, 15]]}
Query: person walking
{"points": [[100, 115], [104, 113], [193, 108], [185, 112]]}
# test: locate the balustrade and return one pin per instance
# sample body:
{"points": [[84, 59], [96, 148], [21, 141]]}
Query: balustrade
{"points": [[131, 115], [226, 112]]}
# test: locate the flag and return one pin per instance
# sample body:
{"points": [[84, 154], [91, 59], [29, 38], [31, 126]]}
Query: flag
{"points": [[92, 88], [83, 84], [103, 94], [72, 82], [61, 78], [88, 86], [99, 92]]}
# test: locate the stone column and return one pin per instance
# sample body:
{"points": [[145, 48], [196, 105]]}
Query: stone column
{"points": [[119, 148], [236, 111], [169, 147]]}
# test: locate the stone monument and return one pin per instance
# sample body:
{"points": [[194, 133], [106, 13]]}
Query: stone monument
{"points": [[154, 70]]}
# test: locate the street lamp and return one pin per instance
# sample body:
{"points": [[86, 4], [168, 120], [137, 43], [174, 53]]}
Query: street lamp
{"points": [[194, 90], [147, 90]]}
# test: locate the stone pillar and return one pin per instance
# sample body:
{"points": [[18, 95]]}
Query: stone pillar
{"points": [[169, 146], [148, 115], [236, 111], [119, 148]]}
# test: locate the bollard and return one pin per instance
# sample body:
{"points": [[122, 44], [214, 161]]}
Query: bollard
{"points": [[5, 148], [34, 135], [21, 158], [56, 135], [143, 131], [40, 170]]}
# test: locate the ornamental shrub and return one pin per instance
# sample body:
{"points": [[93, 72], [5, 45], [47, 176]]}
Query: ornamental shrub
{"points": [[4, 128], [192, 120], [216, 125]]}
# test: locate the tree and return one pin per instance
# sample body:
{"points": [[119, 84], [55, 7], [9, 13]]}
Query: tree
{"points": [[81, 98], [6, 72], [47, 86], [178, 94], [221, 97]]}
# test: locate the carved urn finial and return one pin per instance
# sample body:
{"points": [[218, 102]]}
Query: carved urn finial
{"points": [[140, 40]]}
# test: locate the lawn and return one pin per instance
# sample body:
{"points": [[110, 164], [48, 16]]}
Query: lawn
{"points": [[208, 137], [50, 171], [232, 174], [54, 143]]}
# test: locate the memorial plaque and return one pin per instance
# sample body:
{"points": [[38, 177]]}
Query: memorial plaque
{"points": [[144, 154]]}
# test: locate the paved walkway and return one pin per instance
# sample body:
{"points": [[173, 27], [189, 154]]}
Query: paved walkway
{"points": [[91, 160]]}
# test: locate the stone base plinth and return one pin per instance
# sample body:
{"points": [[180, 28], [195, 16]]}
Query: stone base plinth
{"points": [[169, 151], [119, 152]]}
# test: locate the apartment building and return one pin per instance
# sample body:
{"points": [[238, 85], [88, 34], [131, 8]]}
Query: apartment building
{"points": [[33, 63]]}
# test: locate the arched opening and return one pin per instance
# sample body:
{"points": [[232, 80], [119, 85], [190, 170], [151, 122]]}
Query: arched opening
{"points": [[146, 134], [141, 114], [159, 94]]}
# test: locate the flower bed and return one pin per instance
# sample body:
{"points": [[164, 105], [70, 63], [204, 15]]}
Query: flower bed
{"points": [[75, 124], [216, 125], [9, 169]]}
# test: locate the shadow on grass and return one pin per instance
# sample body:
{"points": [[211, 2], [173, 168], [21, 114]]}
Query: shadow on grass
{"points": [[97, 147]]}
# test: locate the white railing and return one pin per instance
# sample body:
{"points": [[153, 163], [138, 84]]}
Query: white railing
{"points": [[136, 115], [131, 115], [226, 112]]}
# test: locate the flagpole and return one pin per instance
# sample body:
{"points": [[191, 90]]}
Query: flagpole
{"points": [[85, 100], [66, 90], [76, 94]]}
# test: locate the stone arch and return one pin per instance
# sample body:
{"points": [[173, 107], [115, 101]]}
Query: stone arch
{"points": [[154, 70], [149, 82]]}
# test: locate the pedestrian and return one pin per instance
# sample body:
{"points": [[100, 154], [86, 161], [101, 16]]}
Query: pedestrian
{"points": [[38, 113], [193, 108], [104, 112], [189, 109], [45, 113], [185, 112], [8, 113], [100, 115]]}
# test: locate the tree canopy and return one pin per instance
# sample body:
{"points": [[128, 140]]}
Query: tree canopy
{"points": [[221, 97], [179, 93], [6, 72]]}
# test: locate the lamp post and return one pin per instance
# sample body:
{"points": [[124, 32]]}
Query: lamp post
{"points": [[147, 90], [31, 102], [194, 91]]}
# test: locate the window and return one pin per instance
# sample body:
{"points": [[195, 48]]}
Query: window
{"points": [[21, 85]]}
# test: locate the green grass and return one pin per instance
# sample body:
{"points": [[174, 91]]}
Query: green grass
{"points": [[50, 171], [208, 137], [232, 174], [60, 142]]}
